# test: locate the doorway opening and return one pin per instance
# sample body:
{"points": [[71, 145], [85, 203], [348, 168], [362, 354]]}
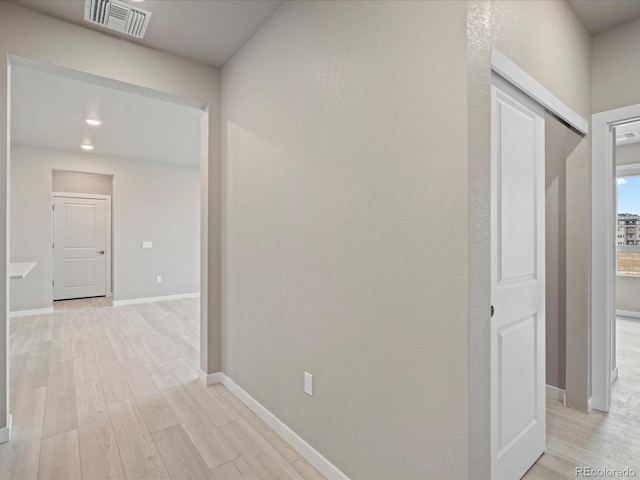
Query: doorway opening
{"points": [[625, 330], [106, 199], [614, 240], [519, 108]]}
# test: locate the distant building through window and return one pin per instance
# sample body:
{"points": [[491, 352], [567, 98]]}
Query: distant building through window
{"points": [[628, 228]]}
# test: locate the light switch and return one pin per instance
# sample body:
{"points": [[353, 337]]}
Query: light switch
{"points": [[147, 244]]}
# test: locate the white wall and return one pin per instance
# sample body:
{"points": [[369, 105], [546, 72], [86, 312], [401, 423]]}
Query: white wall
{"points": [[151, 201], [626, 154], [345, 157]]}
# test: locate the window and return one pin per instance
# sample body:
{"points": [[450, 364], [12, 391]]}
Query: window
{"points": [[628, 231]]}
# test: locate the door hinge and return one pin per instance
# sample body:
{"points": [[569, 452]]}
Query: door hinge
{"points": [[53, 245], [53, 207], [53, 283]]}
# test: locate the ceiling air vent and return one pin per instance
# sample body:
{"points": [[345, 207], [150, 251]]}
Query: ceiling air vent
{"points": [[117, 16], [627, 136]]}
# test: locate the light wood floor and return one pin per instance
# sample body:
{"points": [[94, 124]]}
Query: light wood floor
{"points": [[598, 440], [103, 392]]}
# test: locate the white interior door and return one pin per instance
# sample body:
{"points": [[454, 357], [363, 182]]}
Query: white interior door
{"points": [[517, 281], [79, 247]]}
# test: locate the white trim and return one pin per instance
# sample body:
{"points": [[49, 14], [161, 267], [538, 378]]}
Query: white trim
{"points": [[311, 455], [211, 378], [92, 196], [627, 313], [603, 234], [557, 394], [5, 432], [590, 404], [27, 313], [132, 301], [504, 67], [614, 375], [108, 220]]}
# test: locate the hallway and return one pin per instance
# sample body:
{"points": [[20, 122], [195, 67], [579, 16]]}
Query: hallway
{"points": [[112, 392]]}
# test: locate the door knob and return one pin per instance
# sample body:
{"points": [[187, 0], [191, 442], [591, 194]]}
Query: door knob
{"points": [[101, 252]]}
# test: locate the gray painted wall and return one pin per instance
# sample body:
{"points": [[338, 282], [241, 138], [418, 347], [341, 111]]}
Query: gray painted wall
{"points": [[616, 67], [337, 126], [556, 262], [151, 201]]}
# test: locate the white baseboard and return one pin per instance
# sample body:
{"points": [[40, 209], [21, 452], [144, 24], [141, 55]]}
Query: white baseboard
{"points": [[627, 313], [589, 405], [211, 378], [614, 375], [132, 301], [5, 432], [311, 455], [26, 313], [557, 393]]}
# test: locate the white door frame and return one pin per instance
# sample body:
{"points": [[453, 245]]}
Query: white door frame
{"points": [[108, 255], [508, 70], [603, 221]]}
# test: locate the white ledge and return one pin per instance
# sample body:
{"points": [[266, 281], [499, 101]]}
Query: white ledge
{"points": [[20, 269]]}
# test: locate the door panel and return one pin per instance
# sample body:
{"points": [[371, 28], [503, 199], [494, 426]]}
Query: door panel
{"points": [[517, 194], [80, 226], [517, 358], [517, 282], [79, 260]]}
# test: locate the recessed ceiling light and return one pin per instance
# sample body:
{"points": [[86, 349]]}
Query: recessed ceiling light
{"points": [[93, 122], [86, 146], [137, 1]]}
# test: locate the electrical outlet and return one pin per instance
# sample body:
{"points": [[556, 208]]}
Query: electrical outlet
{"points": [[158, 279], [147, 244], [308, 384]]}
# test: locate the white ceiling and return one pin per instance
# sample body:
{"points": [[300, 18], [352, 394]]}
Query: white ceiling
{"points": [[49, 111], [599, 15], [209, 31]]}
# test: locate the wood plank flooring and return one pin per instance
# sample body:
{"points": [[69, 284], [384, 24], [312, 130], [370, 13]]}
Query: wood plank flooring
{"points": [[102, 392], [598, 440]]}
